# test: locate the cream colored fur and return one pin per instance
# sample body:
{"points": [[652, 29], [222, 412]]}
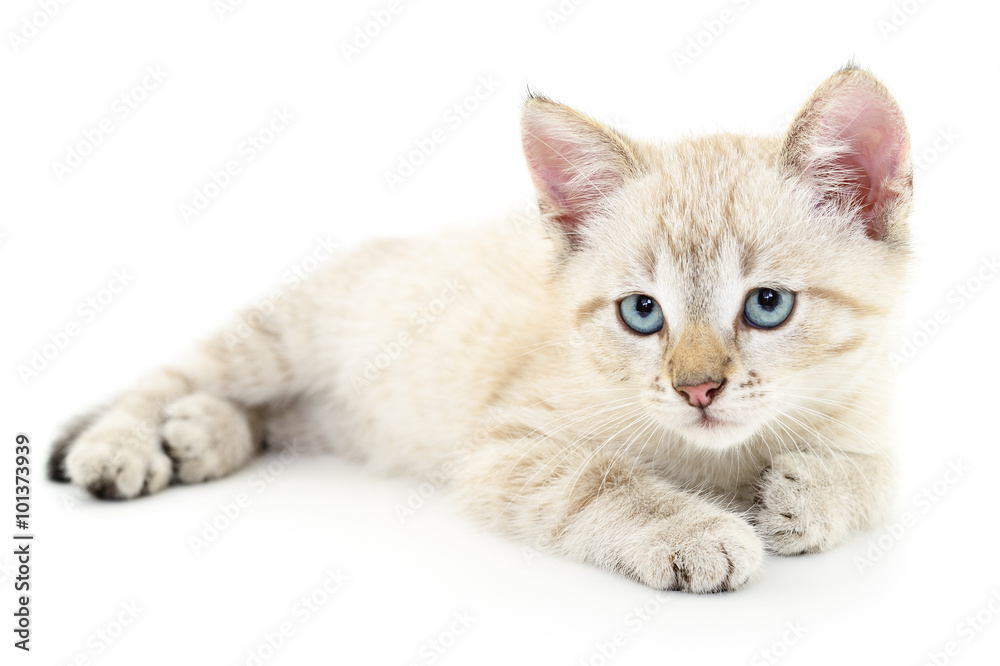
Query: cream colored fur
{"points": [[496, 355]]}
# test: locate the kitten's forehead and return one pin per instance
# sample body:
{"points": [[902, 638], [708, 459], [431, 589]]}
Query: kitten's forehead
{"points": [[715, 187], [715, 217], [721, 206]]}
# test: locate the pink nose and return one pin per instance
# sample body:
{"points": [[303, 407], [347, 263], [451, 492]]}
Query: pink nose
{"points": [[702, 394]]}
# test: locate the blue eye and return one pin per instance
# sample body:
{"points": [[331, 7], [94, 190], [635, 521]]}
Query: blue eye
{"points": [[641, 313], [767, 308]]}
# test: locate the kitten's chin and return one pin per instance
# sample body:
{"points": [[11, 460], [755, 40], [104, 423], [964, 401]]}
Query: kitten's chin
{"points": [[714, 433]]}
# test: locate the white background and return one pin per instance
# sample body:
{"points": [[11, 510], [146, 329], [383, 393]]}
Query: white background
{"points": [[324, 175]]}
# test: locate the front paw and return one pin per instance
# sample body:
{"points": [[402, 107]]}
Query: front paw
{"points": [[710, 551], [801, 504]]}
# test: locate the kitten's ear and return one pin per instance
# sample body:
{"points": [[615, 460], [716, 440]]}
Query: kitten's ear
{"points": [[575, 162], [851, 143]]}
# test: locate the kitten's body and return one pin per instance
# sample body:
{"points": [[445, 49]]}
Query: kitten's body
{"points": [[497, 356]]}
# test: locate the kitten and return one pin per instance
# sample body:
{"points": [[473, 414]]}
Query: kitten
{"points": [[683, 363]]}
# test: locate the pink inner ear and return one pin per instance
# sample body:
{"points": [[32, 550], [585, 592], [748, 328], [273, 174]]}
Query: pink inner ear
{"points": [[869, 135], [551, 165], [573, 163], [875, 159]]}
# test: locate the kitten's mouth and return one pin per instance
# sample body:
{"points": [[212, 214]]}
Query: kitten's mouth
{"points": [[709, 422]]}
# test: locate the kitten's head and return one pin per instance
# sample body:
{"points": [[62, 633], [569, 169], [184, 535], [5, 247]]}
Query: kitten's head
{"points": [[737, 283]]}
